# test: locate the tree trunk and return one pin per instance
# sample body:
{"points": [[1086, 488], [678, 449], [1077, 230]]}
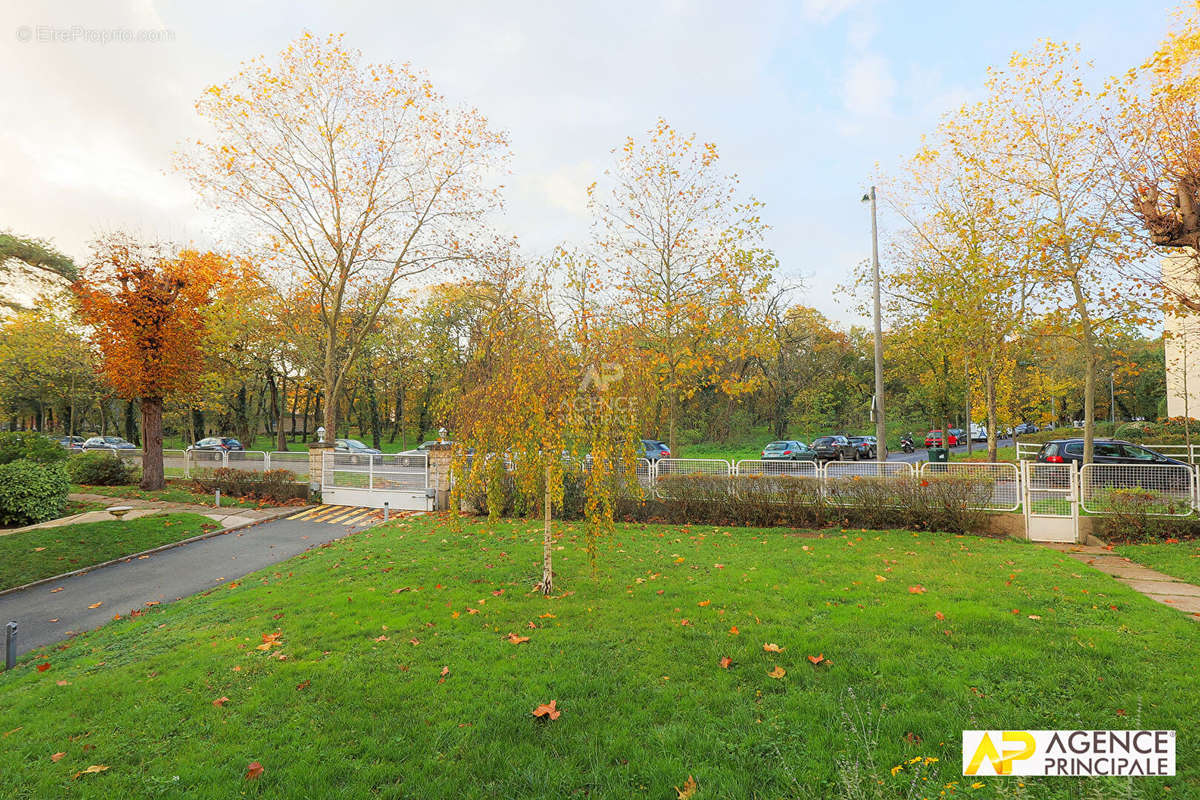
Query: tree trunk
{"points": [[280, 432], [131, 431], [152, 454], [967, 394], [398, 422], [546, 587], [989, 389], [308, 396], [373, 412]]}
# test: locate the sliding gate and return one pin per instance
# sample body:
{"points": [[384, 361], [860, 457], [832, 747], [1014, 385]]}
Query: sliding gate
{"points": [[398, 480]]}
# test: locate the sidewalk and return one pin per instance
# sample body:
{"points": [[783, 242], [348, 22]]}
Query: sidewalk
{"points": [[1160, 588], [51, 612], [226, 518]]}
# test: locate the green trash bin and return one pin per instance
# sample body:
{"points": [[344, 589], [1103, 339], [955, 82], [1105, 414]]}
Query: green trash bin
{"points": [[939, 455]]}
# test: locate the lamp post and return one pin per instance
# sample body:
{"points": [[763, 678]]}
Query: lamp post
{"points": [[877, 401]]}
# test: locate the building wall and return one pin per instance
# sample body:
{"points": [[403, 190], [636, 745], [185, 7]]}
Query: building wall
{"points": [[1181, 336]]}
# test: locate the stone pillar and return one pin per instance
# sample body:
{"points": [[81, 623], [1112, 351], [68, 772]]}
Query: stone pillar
{"points": [[316, 463], [439, 475]]}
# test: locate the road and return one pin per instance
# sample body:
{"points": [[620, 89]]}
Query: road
{"points": [[51, 612], [922, 454]]}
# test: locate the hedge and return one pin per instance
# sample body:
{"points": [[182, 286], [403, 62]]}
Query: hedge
{"points": [[30, 446], [100, 468], [31, 492], [275, 485]]}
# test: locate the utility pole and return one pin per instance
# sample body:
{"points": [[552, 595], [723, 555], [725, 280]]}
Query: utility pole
{"points": [[880, 427]]}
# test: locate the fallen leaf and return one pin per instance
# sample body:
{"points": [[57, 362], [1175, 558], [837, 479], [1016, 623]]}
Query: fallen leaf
{"points": [[38, 549], [939, 615], [777, 673], [414, 642], [59, 589], [548, 710], [512, 637], [254, 771], [90, 770], [445, 671], [918, 589], [817, 659], [688, 790], [57, 756], [733, 631], [96, 605], [725, 662], [703, 603], [880, 578], [380, 638], [220, 701], [63, 683], [1034, 616], [43, 666], [302, 685], [771, 647], [546, 616]]}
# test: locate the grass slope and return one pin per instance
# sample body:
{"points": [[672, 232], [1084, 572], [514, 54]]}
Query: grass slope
{"points": [[174, 493], [45, 552], [1178, 559], [393, 677]]}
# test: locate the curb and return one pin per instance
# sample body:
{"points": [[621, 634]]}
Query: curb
{"points": [[209, 535]]}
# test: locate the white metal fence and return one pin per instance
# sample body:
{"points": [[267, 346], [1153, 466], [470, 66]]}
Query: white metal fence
{"points": [[182, 463], [1005, 480], [1027, 451], [868, 469], [800, 469], [375, 472], [1155, 489]]}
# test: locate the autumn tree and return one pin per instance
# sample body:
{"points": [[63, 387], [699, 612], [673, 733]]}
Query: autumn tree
{"points": [[146, 310], [683, 256], [1037, 136], [356, 177], [46, 366]]}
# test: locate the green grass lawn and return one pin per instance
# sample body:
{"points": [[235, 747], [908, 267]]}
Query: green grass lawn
{"points": [[45, 552], [174, 493], [393, 676], [1178, 559], [1008, 453]]}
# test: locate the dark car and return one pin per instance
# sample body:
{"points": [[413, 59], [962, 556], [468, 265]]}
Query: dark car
{"points": [[107, 443], [866, 446], [934, 439], [834, 448], [788, 450], [71, 442], [225, 443], [1117, 451], [1024, 428]]}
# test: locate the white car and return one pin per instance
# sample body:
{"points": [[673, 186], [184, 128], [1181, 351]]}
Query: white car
{"points": [[978, 433]]}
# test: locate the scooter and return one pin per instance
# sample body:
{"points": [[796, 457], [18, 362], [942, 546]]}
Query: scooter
{"points": [[906, 443]]}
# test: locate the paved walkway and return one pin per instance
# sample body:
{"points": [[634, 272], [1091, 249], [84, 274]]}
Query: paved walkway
{"points": [[225, 517], [51, 612], [1158, 587]]}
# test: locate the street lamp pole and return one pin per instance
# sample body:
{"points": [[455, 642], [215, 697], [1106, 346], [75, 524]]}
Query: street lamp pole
{"points": [[880, 427]]}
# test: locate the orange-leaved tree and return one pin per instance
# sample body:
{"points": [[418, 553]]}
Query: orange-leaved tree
{"points": [[146, 310]]}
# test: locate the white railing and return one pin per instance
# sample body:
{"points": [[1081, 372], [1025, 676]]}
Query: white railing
{"points": [[1027, 451], [1005, 479], [375, 472], [294, 460], [1167, 490], [802, 469], [868, 469]]}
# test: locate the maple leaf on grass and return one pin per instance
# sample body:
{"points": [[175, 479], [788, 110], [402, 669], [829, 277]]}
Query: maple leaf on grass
{"points": [[771, 647], [512, 637], [688, 791], [43, 667], [918, 589], [94, 768], [548, 710], [57, 756], [220, 701], [777, 673], [254, 771], [725, 662]]}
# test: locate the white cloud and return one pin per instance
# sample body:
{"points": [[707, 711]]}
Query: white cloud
{"points": [[826, 10], [868, 86]]}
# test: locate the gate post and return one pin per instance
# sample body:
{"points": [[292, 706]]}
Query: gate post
{"points": [[316, 464], [438, 474]]}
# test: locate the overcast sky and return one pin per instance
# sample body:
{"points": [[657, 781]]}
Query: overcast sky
{"points": [[804, 99]]}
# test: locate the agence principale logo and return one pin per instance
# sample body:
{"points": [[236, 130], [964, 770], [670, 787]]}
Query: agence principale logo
{"points": [[1069, 753]]}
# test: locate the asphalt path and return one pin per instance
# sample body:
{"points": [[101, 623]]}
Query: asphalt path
{"points": [[922, 454], [50, 612]]}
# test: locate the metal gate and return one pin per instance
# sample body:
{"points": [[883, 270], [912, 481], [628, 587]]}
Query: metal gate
{"points": [[399, 481], [1050, 499]]}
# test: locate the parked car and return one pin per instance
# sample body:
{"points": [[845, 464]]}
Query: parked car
{"points": [[224, 443], [1117, 451], [71, 442], [834, 448], [1024, 428], [866, 446], [788, 450], [355, 448], [652, 450], [979, 433], [934, 439], [959, 435], [107, 443]]}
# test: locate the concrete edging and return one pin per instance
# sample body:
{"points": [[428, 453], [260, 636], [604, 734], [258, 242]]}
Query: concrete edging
{"points": [[209, 535]]}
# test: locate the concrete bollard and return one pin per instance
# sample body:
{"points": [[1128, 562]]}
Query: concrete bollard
{"points": [[385, 510], [218, 498]]}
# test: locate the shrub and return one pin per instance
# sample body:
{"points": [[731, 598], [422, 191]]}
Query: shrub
{"points": [[949, 503], [274, 486], [1138, 431], [32, 492], [99, 468], [31, 447], [1137, 515]]}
